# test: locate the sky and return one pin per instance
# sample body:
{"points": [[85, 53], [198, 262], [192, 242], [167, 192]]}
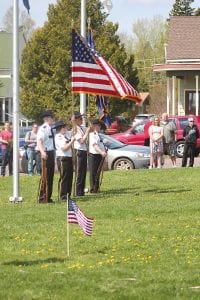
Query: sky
{"points": [[123, 12]]}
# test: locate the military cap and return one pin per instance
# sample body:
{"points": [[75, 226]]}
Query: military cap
{"points": [[59, 124], [96, 122], [77, 115], [47, 113]]}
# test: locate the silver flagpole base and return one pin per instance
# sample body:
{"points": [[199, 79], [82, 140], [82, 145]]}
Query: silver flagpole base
{"points": [[13, 199]]}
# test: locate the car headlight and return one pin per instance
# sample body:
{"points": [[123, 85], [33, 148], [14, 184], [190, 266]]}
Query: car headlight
{"points": [[141, 155]]}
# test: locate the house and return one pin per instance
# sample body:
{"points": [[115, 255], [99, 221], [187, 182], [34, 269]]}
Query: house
{"points": [[6, 87], [182, 65]]}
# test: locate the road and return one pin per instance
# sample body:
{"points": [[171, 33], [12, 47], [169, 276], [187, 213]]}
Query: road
{"points": [[168, 163]]}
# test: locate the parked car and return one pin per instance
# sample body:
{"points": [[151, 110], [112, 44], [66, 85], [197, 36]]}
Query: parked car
{"points": [[125, 157], [142, 117], [135, 134]]}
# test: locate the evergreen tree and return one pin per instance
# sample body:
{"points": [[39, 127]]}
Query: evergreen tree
{"points": [[46, 63], [182, 8]]}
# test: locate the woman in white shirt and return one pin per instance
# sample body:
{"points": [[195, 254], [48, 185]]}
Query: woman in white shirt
{"points": [[156, 142], [63, 143]]}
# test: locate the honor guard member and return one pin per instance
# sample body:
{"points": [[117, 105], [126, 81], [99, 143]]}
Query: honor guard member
{"points": [[97, 153], [63, 143], [80, 146], [46, 146]]}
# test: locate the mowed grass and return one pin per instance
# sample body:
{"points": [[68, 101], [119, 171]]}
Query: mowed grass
{"points": [[145, 242]]}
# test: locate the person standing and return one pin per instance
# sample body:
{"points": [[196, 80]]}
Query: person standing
{"points": [[169, 138], [97, 153], [80, 147], [46, 146], [191, 134], [6, 139], [32, 153], [156, 142], [63, 143]]}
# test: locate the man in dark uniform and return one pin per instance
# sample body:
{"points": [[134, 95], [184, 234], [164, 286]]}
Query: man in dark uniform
{"points": [[46, 146], [97, 154], [80, 133], [191, 134]]}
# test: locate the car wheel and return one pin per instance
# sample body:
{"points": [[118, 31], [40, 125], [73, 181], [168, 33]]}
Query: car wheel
{"points": [[123, 164], [179, 148]]}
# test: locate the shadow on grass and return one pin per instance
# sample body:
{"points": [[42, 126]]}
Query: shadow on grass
{"points": [[163, 191], [33, 262]]}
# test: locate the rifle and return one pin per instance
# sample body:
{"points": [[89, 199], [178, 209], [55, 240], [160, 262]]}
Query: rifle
{"points": [[43, 185]]}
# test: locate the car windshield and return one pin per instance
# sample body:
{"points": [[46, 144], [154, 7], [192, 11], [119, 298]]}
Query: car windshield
{"points": [[110, 142]]}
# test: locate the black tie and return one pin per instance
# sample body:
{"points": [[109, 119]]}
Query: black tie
{"points": [[52, 133]]}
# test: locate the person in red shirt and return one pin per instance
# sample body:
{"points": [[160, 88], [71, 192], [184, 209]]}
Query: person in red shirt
{"points": [[6, 140]]}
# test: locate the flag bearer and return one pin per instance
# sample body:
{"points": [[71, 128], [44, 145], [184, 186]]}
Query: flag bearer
{"points": [[63, 143], [97, 153]]}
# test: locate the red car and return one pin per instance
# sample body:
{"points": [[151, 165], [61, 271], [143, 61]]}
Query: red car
{"points": [[136, 134]]}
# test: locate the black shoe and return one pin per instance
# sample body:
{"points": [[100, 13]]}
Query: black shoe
{"points": [[51, 201]]}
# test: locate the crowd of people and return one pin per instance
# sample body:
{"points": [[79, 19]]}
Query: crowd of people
{"points": [[162, 140], [53, 141]]}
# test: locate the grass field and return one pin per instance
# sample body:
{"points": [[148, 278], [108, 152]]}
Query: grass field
{"points": [[145, 242]]}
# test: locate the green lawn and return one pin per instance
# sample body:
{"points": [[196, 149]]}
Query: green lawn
{"points": [[145, 242]]}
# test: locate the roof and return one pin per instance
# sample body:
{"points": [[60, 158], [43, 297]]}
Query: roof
{"points": [[177, 67], [184, 38], [5, 50]]}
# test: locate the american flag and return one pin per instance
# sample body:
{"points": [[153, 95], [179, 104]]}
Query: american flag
{"points": [[92, 74], [76, 216]]}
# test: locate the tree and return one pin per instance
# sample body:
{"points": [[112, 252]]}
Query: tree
{"points": [[46, 62], [149, 39], [24, 20], [182, 8]]}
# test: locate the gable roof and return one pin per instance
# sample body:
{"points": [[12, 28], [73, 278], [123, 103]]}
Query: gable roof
{"points": [[184, 38]]}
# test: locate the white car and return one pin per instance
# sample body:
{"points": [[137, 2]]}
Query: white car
{"points": [[125, 157]]}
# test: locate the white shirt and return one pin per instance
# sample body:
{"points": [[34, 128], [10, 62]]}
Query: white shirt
{"points": [[79, 134], [94, 139], [60, 141], [45, 134]]}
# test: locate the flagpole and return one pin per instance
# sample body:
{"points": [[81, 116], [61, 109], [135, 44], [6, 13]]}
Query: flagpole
{"points": [[83, 33], [67, 226], [15, 197]]}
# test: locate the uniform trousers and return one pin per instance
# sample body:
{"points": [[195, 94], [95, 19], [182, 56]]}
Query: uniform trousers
{"points": [[65, 167], [189, 151], [81, 170], [94, 162], [50, 165]]}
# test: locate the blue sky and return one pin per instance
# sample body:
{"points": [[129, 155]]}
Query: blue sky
{"points": [[124, 12]]}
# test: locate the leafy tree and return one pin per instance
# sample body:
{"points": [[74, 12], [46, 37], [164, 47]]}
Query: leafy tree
{"points": [[46, 62], [182, 8], [149, 39], [24, 20]]}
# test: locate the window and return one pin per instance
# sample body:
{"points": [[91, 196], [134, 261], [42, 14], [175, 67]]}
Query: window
{"points": [[190, 103]]}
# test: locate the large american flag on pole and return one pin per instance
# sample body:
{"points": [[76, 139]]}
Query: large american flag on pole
{"points": [[76, 216], [92, 74]]}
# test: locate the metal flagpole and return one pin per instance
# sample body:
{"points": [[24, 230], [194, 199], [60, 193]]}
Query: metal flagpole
{"points": [[83, 33], [15, 197], [67, 226]]}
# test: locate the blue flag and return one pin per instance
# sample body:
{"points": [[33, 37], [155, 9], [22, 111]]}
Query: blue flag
{"points": [[26, 4], [101, 101]]}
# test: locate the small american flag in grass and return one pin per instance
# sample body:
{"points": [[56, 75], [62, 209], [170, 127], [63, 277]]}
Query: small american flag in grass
{"points": [[76, 216]]}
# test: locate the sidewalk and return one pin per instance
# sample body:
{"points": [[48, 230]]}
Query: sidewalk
{"points": [[168, 163]]}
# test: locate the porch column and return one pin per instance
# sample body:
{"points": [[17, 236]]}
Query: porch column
{"points": [[179, 96], [3, 110], [168, 95], [10, 108], [197, 95], [173, 94]]}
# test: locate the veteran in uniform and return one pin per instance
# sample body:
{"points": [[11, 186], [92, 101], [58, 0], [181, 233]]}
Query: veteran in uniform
{"points": [[63, 143], [46, 146], [80, 147], [97, 152]]}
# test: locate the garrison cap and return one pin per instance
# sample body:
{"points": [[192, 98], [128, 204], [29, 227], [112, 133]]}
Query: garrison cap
{"points": [[77, 114], [59, 124], [96, 122], [47, 113]]}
